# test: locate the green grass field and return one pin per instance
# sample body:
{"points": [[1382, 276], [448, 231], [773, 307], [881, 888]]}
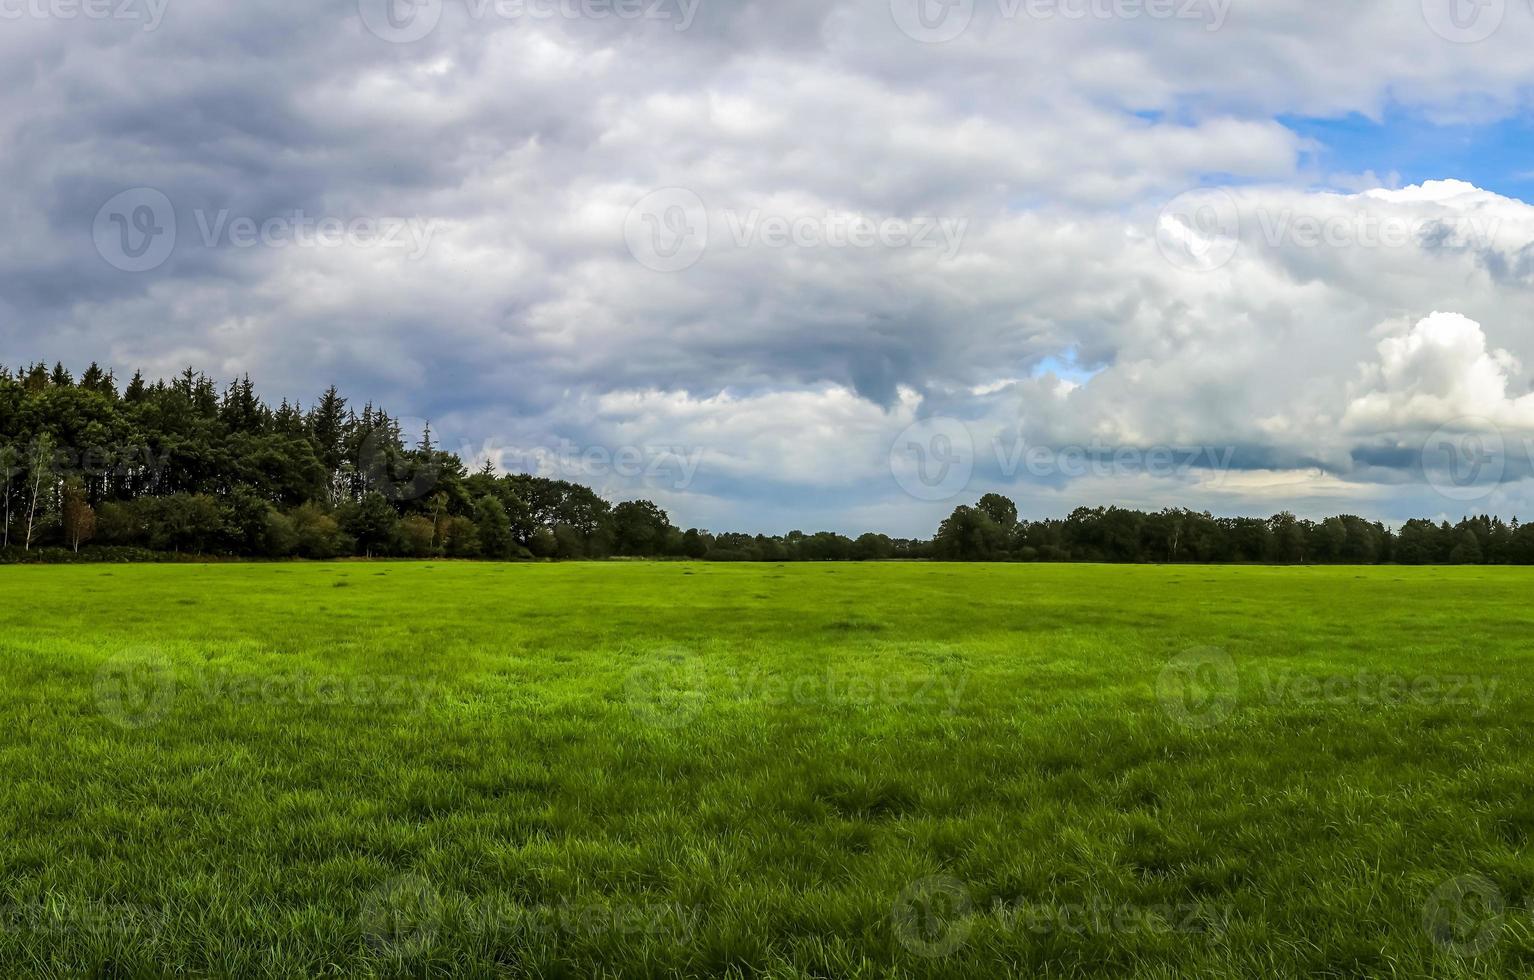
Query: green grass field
{"points": [[802, 770]]}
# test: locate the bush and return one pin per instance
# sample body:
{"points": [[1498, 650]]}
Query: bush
{"points": [[417, 537], [460, 538], [319, 536], [280, 539], [87, 554], [543, 544], [121, 523]]}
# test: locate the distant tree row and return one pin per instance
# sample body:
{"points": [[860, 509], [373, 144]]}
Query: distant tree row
{"points": [[992, 531], [186, 466]]}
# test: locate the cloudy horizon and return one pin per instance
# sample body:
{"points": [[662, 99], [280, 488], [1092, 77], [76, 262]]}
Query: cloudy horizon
{"points": [[816, 265]]}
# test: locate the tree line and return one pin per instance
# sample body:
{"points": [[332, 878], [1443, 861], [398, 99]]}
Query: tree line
{"points": [[188, 466], [992, 531]]}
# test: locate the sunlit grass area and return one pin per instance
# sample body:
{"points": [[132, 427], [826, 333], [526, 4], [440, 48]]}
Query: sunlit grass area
{"points": [[801, 770]]}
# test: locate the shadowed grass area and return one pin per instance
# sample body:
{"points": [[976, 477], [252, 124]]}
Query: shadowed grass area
{"points": [[802, 770]]}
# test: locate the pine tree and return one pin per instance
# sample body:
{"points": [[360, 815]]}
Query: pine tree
{"points": [[327, 427]]}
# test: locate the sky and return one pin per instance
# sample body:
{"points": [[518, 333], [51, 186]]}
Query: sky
{"points": [[813, 264]]}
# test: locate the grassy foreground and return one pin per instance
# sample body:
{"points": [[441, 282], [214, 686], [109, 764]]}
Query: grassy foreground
{"points": [[802, 770]]}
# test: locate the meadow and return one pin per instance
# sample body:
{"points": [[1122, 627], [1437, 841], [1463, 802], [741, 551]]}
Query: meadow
{"points": [[806, 770]]}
